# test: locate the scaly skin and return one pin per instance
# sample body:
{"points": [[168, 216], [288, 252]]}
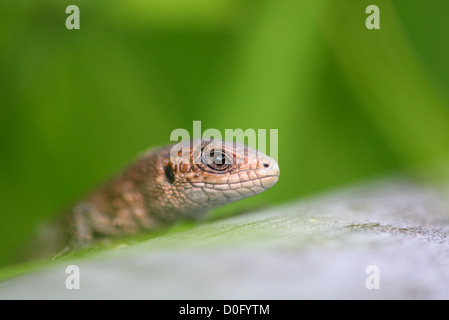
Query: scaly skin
{"points": [[154, 191]]}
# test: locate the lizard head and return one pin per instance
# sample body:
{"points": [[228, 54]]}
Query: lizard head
{"points": [[200, 175]]}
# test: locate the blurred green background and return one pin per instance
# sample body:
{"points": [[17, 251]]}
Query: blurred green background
{"points": [[349, 103]]}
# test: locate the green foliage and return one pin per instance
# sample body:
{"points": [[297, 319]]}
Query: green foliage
{"points": [[349, 103]]}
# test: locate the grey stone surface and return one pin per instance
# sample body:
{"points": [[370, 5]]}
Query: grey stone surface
{"points": [[316, 248]]}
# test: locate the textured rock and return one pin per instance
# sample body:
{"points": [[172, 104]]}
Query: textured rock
{"points": [[315, 248]]}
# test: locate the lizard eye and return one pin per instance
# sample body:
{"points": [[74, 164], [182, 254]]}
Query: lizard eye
{"points": [[217, 160]]}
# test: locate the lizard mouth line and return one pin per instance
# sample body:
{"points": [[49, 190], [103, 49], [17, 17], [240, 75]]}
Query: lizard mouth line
{"points": [[234, 183]]}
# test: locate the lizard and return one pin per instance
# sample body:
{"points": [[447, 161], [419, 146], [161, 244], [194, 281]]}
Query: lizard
{"points": [[159, 188]]}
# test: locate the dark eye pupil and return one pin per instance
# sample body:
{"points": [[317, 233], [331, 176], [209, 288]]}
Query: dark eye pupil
{"points": [[218, 158]]}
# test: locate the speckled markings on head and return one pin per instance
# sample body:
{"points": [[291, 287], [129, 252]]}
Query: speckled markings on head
{"points": [[154, 190]]}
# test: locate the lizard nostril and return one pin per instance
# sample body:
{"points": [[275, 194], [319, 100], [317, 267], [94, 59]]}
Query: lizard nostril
{"points": [[266, 165]]}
